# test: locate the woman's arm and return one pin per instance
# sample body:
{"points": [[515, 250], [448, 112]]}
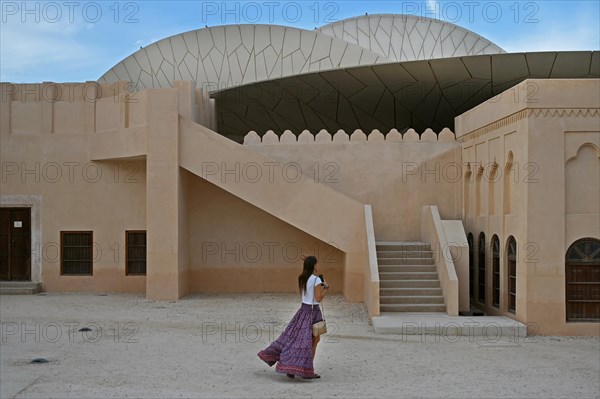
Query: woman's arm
{"points": [[320, 291]]}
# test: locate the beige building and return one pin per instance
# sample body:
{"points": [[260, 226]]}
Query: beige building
{"points": [[450, 177]]}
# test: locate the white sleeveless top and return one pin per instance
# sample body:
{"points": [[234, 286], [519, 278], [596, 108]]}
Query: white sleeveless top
{"points": [[308, 295]]}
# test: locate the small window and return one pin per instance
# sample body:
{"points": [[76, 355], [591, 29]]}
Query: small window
{"points": [[496, 271], [77, 253], [512, 275], [481, 269], [135, 257]]}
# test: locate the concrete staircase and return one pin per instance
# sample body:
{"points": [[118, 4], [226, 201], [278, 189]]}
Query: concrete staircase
{"points": [[19, 288], [408, 278]]}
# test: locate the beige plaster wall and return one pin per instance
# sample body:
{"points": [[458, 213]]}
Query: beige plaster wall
{"points": [[396, 178], [44, 151], [553, 225], [113, 137], [528, 160], [533, 172], [314, 208], [237, 247]]}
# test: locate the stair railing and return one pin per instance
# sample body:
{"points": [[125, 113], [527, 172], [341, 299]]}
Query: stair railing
{"points": [[372, 268]]}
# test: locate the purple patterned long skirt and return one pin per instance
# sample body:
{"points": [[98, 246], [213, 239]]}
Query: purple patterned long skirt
{"points": [[292, 351]]}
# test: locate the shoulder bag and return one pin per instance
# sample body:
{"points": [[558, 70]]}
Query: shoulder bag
{"points": [[320, 327]]}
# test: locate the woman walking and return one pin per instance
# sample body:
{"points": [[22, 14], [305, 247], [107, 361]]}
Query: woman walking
{"points": [[294, 350]]}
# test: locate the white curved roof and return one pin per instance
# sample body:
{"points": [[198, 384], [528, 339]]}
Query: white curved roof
{"points": [[410, 37], [226, 56]]}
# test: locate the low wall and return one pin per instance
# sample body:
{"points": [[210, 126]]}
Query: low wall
{"points": [[433, 231], [371, 269]]}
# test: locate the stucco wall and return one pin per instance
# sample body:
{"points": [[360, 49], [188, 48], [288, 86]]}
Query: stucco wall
{"points": [[396, 178], [521, 168], [45, 135], [76, 195], [237, 247], [534, 166]]}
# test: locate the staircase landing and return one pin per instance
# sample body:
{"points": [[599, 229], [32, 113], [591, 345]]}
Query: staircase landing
{"points": [[496, 327]]}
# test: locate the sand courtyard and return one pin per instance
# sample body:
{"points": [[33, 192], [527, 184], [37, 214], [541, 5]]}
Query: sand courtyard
{"points": [[206, 345]]}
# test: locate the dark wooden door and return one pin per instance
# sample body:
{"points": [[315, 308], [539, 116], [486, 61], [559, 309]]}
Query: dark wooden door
{"points": [[15, 244]]}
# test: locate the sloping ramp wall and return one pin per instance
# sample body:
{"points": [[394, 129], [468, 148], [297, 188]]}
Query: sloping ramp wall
{"points": [[282, 191]]}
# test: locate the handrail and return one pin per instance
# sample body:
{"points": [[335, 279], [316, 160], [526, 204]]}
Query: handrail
{"points": [[372, 269]]}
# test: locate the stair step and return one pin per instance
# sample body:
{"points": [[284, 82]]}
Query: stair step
{"points": [[19, 288], [440, 324], [404, 261], [408, 268], [410, 291], [411, 299], [412, 308], [402, 246], [409, 283], [408, 278], [405, 254], [408, 275]]}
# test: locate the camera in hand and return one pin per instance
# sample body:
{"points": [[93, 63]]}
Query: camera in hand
{"points": [[323, 280]]}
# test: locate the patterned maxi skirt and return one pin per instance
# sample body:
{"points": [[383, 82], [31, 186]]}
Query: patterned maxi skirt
{"points": [[292, 351]]}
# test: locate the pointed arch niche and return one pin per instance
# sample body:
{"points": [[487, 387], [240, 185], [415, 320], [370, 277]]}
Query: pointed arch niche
{"points": [[467, 191], [507, 191], [582, 174], [478, 199], [492, 180]]}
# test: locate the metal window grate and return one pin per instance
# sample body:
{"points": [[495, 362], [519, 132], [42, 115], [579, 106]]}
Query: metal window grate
{"points": [[77, 253], [512, 275], [481, 269], [583, 280], [496, 271], [136, 252]]}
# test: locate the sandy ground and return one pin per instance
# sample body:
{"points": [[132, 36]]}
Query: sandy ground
{"points": [[206, 345]]}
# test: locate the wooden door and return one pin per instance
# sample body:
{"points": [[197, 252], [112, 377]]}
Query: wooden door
{"points": [[15, 244]]}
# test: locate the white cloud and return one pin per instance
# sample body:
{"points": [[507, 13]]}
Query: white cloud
{"points": [[84, 51], [31, 46], [432, 5]]}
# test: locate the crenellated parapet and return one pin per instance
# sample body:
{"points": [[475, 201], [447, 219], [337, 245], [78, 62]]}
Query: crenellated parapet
{"points": [[323, 136], [70, 108]]}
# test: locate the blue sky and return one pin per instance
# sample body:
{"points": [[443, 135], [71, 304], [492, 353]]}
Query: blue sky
{"points": [[72, 41]]}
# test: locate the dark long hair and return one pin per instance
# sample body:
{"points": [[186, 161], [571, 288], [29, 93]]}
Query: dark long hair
{"points": [[309, 268]]}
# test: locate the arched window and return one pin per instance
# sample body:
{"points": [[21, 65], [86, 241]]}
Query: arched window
{"points": [[481, 269], [582, 272], [495, 271], [512, 274], [471, 267]]}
